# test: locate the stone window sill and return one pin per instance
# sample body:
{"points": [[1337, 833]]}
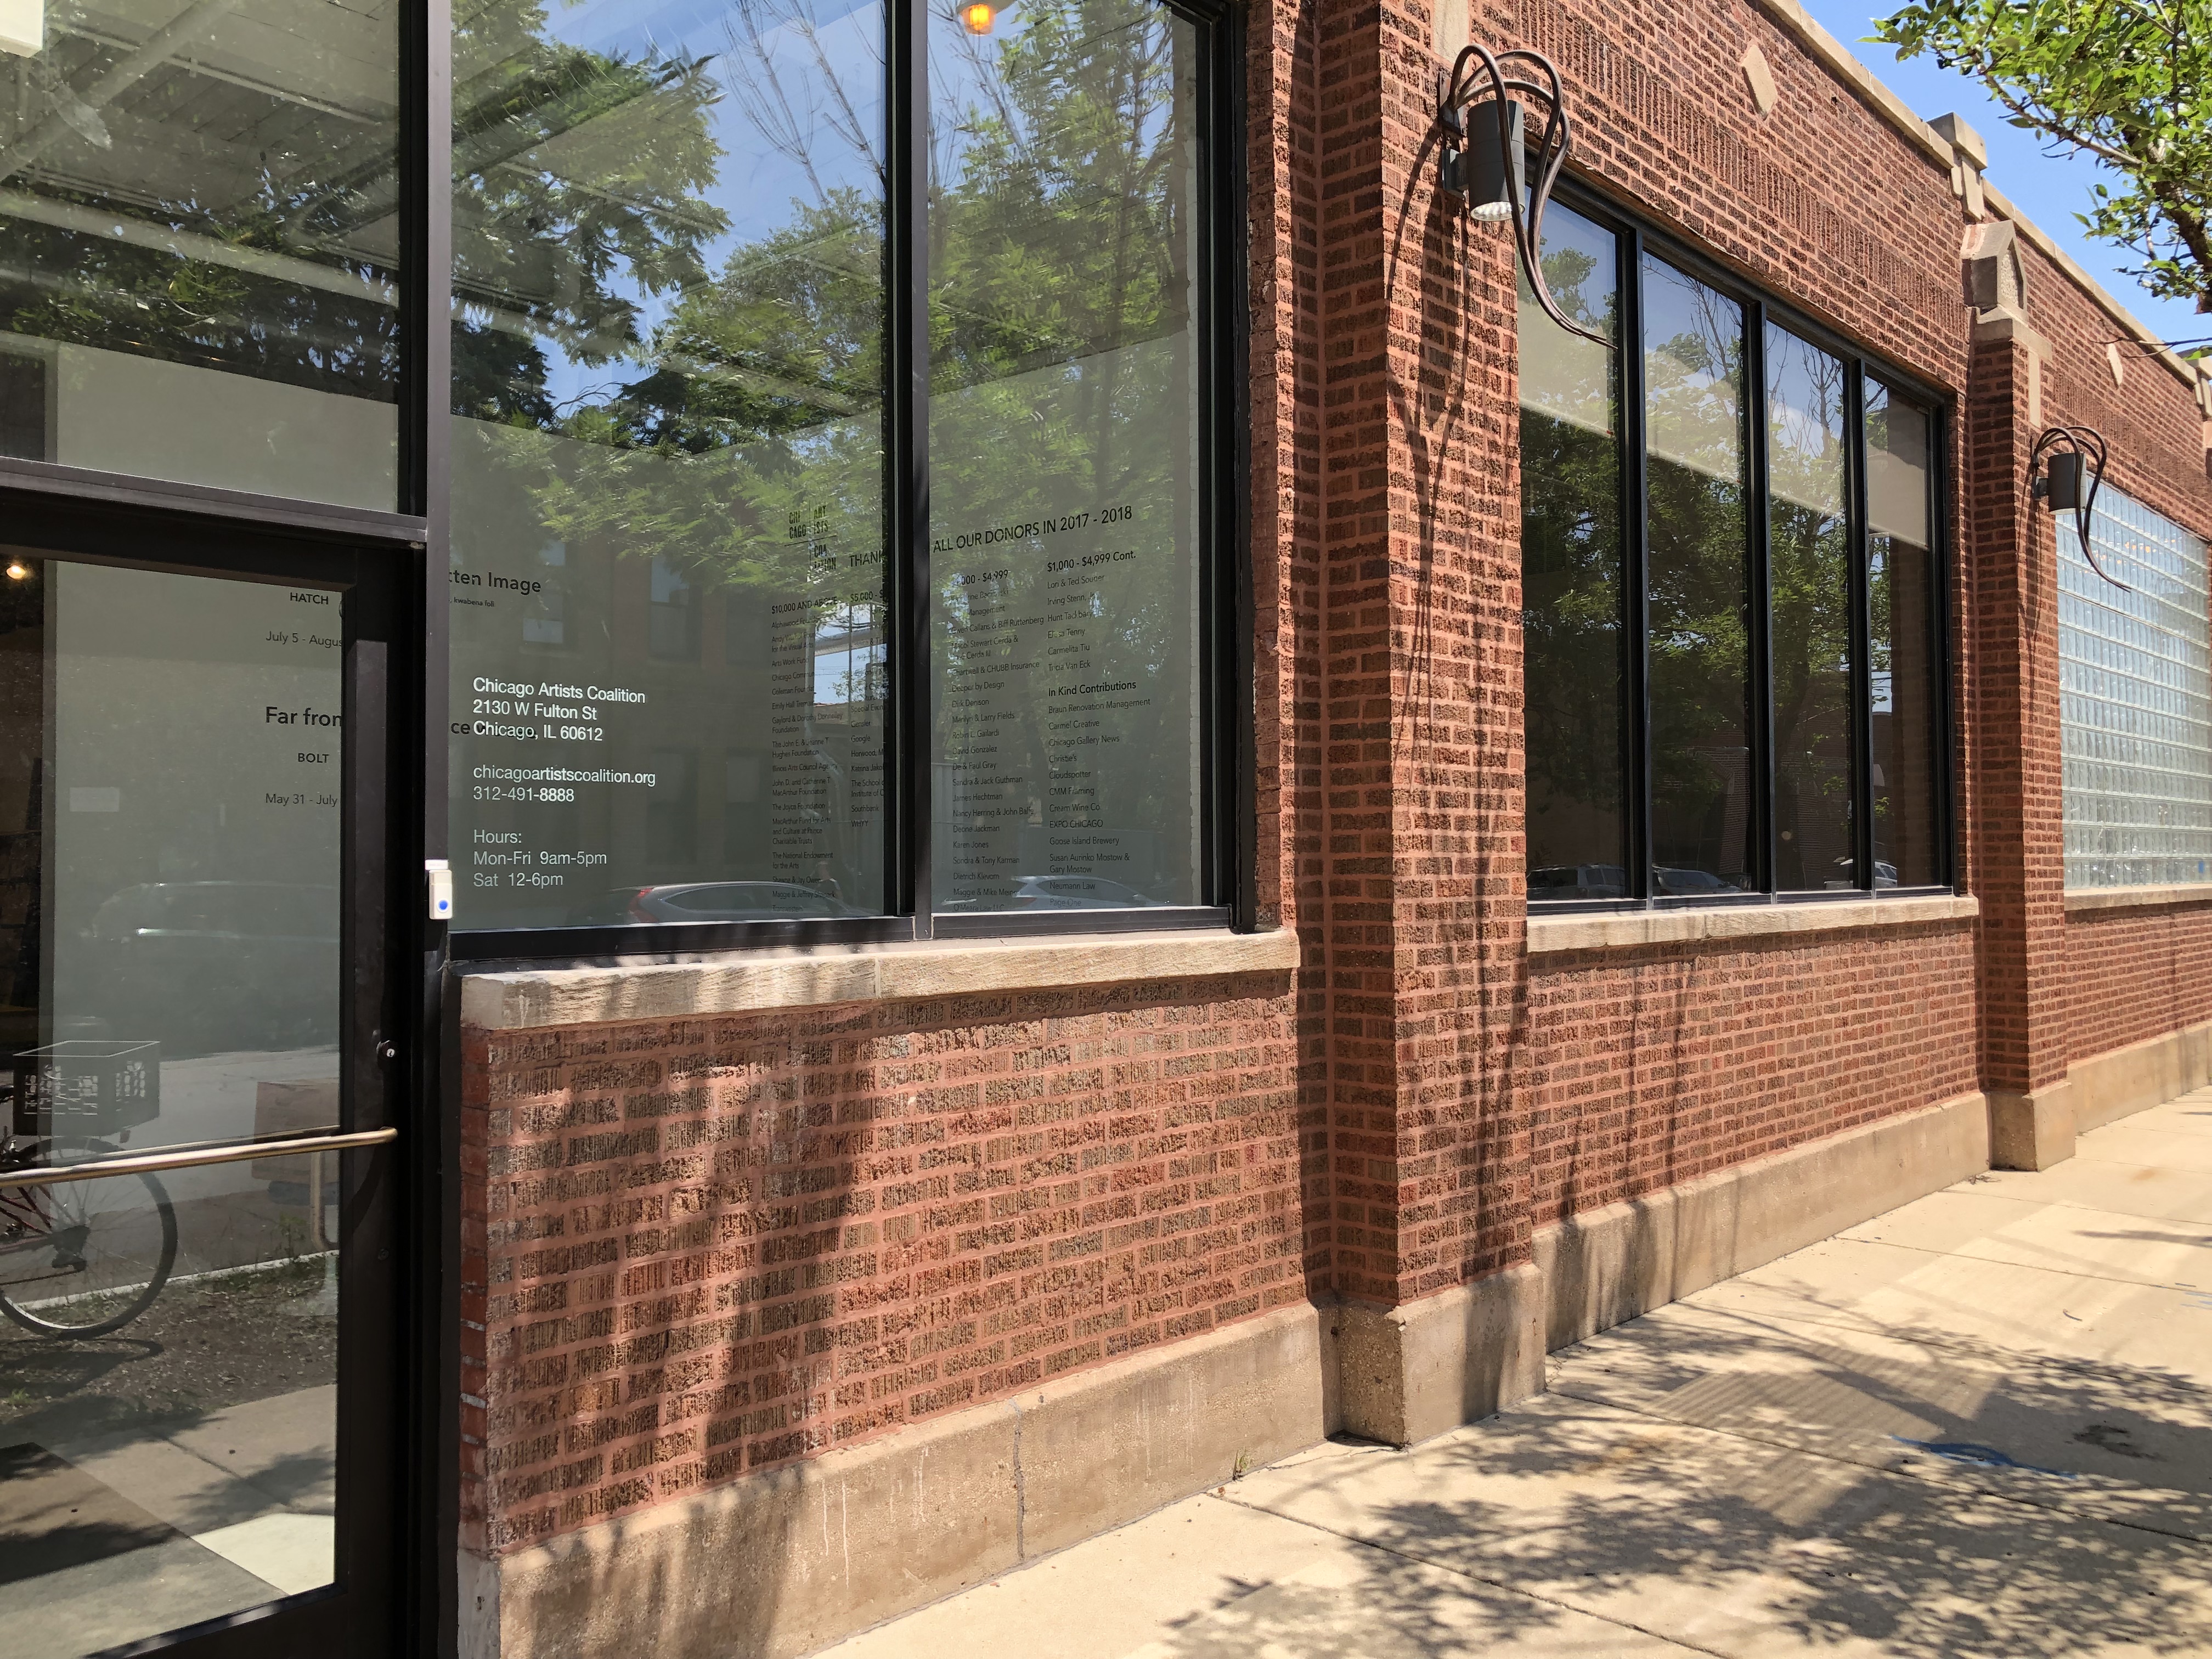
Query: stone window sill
{"points": [[2136, 898], [530, 997], [1557, 935]]}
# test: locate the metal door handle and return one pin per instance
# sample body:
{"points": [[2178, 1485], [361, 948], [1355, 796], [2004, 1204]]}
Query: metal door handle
{"points": [[130, 1164]]}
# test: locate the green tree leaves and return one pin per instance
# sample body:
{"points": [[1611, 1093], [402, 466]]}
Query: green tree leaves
{"points": [[2128, 80]]}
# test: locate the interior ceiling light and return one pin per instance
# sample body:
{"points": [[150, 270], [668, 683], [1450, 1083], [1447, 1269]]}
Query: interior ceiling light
{"points": [[17, 570], [978, 16], [2067, 468], [1485, 160]]}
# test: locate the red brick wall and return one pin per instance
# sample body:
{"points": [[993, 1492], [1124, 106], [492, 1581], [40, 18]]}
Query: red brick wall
{"points": [[2150, 419], [2014, 832], [698, 1249], [2100, 980], [1655, 1066], [1821, 201], [1641, 1068], [2134, 975], [695, 1248]]}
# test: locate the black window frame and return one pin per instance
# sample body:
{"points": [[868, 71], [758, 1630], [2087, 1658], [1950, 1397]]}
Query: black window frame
{"points": [[1226, 761], [1634, 240]]}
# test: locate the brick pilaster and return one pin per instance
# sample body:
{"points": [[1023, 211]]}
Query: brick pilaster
{"points": [[2018, 850], [1425, 892]]}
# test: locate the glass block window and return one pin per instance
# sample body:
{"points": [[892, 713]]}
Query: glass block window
{"points": [[2136, 700]]}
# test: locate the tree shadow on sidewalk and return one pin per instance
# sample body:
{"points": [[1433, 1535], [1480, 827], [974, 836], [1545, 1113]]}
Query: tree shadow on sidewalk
{"points": [[1681, 1490]]}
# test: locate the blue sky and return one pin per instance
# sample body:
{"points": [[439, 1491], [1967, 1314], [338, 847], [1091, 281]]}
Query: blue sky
{"points": [[2050, 191]]}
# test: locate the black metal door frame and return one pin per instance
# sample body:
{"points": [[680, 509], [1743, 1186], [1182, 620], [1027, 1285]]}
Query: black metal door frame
{"points": [[389, 1201]]}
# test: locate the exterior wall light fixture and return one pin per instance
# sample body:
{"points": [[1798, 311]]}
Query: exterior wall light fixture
{"points": [[1485, 155], [2068, 467]]}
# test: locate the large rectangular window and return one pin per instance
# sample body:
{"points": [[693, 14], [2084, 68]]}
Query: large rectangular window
{"points": [[200, 203], [1064, 421], [2135, 679], [1904, 642], [1697, 586], [1732, 597], [1809, 615], [707, 507], [1572, 640]]}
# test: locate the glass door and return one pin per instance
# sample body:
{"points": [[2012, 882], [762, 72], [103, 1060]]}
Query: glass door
{"points": [[195, 1147]]}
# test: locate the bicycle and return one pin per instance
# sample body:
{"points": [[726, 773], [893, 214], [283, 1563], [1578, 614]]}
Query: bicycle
{"points": [[69, 1248]]}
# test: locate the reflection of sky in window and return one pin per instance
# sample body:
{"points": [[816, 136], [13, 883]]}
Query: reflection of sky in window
{"points": [[1694, 350], [845, 649], [669, 585], [757, 185]]}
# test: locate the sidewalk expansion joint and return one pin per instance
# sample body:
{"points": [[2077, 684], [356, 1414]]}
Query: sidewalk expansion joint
{"points": [[1499, 1584]]}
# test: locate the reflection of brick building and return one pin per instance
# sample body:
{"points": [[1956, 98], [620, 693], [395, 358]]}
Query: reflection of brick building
{"points": [[1011, 1243]]}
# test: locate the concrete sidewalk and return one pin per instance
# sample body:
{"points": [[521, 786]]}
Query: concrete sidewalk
{"points": [[1978, 1425]]}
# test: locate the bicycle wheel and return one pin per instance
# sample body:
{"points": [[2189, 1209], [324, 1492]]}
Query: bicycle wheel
{"points": [[85, 1258]]}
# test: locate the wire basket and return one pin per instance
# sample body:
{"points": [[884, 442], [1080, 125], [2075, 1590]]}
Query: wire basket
{"points": [[86, 1086]]}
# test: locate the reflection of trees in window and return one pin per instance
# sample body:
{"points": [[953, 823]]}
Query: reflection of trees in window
{"points": [[668, 360], [1570, 550], [1698, 583], [715, 392], [1062, 232], [1711, 800], [1808, 566]]}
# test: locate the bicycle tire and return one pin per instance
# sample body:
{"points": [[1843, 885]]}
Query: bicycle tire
{"points": [[40, 1326]]}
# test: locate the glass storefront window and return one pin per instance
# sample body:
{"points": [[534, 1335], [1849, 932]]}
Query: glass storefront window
{"points": [[1808, 566], [669, 461], [200, 202], [1765, 716], [679, 650], [1698, 588], [1903, 643], [1064, 457], [1573, 643]]}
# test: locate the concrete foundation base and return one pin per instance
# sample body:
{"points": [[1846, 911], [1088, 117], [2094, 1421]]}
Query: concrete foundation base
{"points": [[779, 1565], [1409, 1373], [1604, 1267], [2140, 1076], [783, 1563], [2032, 1131]]}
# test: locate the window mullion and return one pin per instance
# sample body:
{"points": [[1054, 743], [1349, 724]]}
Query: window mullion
{"points": [[426, 428], [906, 256], [1862, 631], [1760, 606], [1940, 595], [1635, 537]]}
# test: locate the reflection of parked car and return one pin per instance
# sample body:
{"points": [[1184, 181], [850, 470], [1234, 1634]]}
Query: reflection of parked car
{"points": [[726, 900], [1578, 881], [1885, 873], [1689, 884], [1075, 893], [205, 965]]}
